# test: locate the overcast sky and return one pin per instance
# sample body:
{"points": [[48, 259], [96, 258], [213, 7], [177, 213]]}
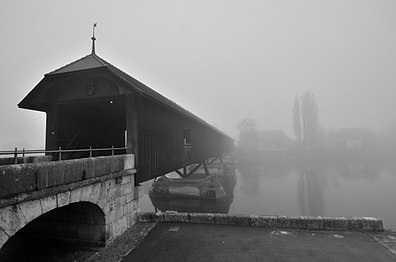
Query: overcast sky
{"points": [[222, 60]]}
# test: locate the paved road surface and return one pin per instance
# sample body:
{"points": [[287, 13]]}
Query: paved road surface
{"points": [[202, 242]]}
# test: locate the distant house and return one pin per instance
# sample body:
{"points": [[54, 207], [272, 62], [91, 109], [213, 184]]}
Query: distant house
{"points": [[273, 140], [356, 138]]}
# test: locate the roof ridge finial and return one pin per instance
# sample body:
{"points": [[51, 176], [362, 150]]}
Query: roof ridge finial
{"points": [[93, 38]]}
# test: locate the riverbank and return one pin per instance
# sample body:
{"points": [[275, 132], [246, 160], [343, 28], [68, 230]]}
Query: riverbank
{"points": [[122, 245], [362, 224]]}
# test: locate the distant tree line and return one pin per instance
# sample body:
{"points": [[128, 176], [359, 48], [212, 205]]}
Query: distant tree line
{"points": [[311, 140]]}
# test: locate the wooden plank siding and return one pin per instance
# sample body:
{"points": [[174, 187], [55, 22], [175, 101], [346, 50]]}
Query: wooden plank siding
{"points": [[161, 141]]}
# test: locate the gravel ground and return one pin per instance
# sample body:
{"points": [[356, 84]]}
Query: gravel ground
{"points": [[124, 244]]}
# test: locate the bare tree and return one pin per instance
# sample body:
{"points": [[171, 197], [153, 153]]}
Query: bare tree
{"points": [[305, 119], [297, 119], [247, 134], [247, 124]]}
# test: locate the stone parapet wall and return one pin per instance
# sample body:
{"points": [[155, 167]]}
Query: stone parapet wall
{"points": [[364, 224], [25, 178], [24, 160]]}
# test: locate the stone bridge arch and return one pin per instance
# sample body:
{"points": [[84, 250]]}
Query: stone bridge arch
{"points": [[108, 202], [77, 222], [80, 223]]}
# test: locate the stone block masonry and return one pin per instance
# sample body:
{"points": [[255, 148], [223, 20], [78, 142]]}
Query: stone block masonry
{"points": [[119, 209], [363, 224], [30, 177], [119, 206], [112, 195]]}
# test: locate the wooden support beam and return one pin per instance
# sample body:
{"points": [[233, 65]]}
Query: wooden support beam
{"points": [[131, 126], [52, 128], [186, 174], [214, 159], [193, 170], [179, 173], [131, 123], [206, 168]]}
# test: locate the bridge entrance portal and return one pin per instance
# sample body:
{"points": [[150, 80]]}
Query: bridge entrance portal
{"points": [[96, 124]]}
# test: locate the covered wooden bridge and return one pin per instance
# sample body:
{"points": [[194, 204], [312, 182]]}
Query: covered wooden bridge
{"points": [[91, 103]]}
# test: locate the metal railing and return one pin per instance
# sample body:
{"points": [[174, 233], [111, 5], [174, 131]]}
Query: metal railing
{"points": [[59, 151]]}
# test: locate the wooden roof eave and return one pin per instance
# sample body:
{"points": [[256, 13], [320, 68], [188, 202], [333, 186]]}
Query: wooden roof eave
{"points": [[30, 100], [187, 114]]}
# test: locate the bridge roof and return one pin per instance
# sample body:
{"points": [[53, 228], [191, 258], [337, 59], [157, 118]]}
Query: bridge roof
{"points": [[87, 62], [93, 61]]}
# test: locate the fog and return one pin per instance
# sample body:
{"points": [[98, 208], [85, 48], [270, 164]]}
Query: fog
{"points": [[222, 60]]}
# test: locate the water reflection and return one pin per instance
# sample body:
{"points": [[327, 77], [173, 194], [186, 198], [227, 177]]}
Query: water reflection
{"points": [[251, 177], [310, 187], [343, 188]]}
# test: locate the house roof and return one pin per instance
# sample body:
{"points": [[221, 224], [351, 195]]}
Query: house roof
{"points": [[273, 137], [93, 61], [87, 62], [355, 133]]}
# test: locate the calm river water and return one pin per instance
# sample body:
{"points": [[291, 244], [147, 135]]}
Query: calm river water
{"points": [[345, 189]]}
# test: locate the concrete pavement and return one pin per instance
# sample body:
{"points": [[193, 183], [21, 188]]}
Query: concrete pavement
{"points": [[172, 241]]}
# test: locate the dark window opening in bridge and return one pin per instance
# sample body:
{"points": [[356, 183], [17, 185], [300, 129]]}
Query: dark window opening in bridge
{"points": [[187, 137], [59, 233], [187, 145], [99, 124]]}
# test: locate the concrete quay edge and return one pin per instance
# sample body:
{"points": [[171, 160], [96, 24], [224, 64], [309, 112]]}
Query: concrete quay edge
{"points": [[363, 224]]}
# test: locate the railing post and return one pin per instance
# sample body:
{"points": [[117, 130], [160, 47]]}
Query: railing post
{"points": [[60, 154], [90, 151], [16, 156], [23, 152], [112, 150]]}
